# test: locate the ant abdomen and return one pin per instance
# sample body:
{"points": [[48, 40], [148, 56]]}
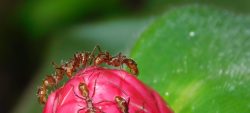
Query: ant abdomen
{"points": [[131, 64], [41, 93]]}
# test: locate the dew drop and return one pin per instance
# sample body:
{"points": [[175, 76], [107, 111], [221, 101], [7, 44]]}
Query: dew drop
{"points": [[166, 93], [191, 33]]}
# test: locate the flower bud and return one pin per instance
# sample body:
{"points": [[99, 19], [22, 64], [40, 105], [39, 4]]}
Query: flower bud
{"points": [[101, 90]]}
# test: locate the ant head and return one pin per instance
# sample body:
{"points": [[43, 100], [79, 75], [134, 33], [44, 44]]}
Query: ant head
{"points": [[41, 94], [119, 99], [83, 89]]}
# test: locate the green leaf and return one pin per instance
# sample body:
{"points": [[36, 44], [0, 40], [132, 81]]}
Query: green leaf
{"points": [[198, 59]]}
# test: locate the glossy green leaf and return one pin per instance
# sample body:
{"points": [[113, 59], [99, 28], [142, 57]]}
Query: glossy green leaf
{"points": [[198, 59]]}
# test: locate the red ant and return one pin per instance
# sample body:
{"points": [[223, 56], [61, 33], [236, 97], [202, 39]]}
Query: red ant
{"points": [[84, 91], [78, 60], [83, 59], [42, 91], [120, 60], [116, 61], [68, 68], [122, 104]]}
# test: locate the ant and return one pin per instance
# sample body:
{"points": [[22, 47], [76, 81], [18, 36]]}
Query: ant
{"points": [[41, 93], [122, 104], [85, 94], [67, 68], [78, 60], [120, 60], [116, 61], [84, 91], [83, 59]]}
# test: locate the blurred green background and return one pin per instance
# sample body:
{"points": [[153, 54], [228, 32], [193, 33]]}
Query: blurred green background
{"points": [[36, 32]]}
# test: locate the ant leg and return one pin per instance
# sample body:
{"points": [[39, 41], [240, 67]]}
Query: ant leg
{"points": [[54, 64], [59, 71], [81, 109], [119, 87], [91, 75], [57, 67], [97, 109], [141, 110], [128, 101], [97, 104], [105, 101], [92, 56], [96, 47], [99, 48], [95, 86]]}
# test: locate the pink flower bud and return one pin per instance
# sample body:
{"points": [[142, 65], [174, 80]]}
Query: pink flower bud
{"points": [[100, 90]]}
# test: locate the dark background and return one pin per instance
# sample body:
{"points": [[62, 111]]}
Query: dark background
{"points": [[28, 30]]}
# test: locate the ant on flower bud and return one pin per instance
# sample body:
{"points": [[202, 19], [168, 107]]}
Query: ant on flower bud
{"points": [[83, 88], [116, 61], [122, 104], [83, 59], [41, 93]]}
